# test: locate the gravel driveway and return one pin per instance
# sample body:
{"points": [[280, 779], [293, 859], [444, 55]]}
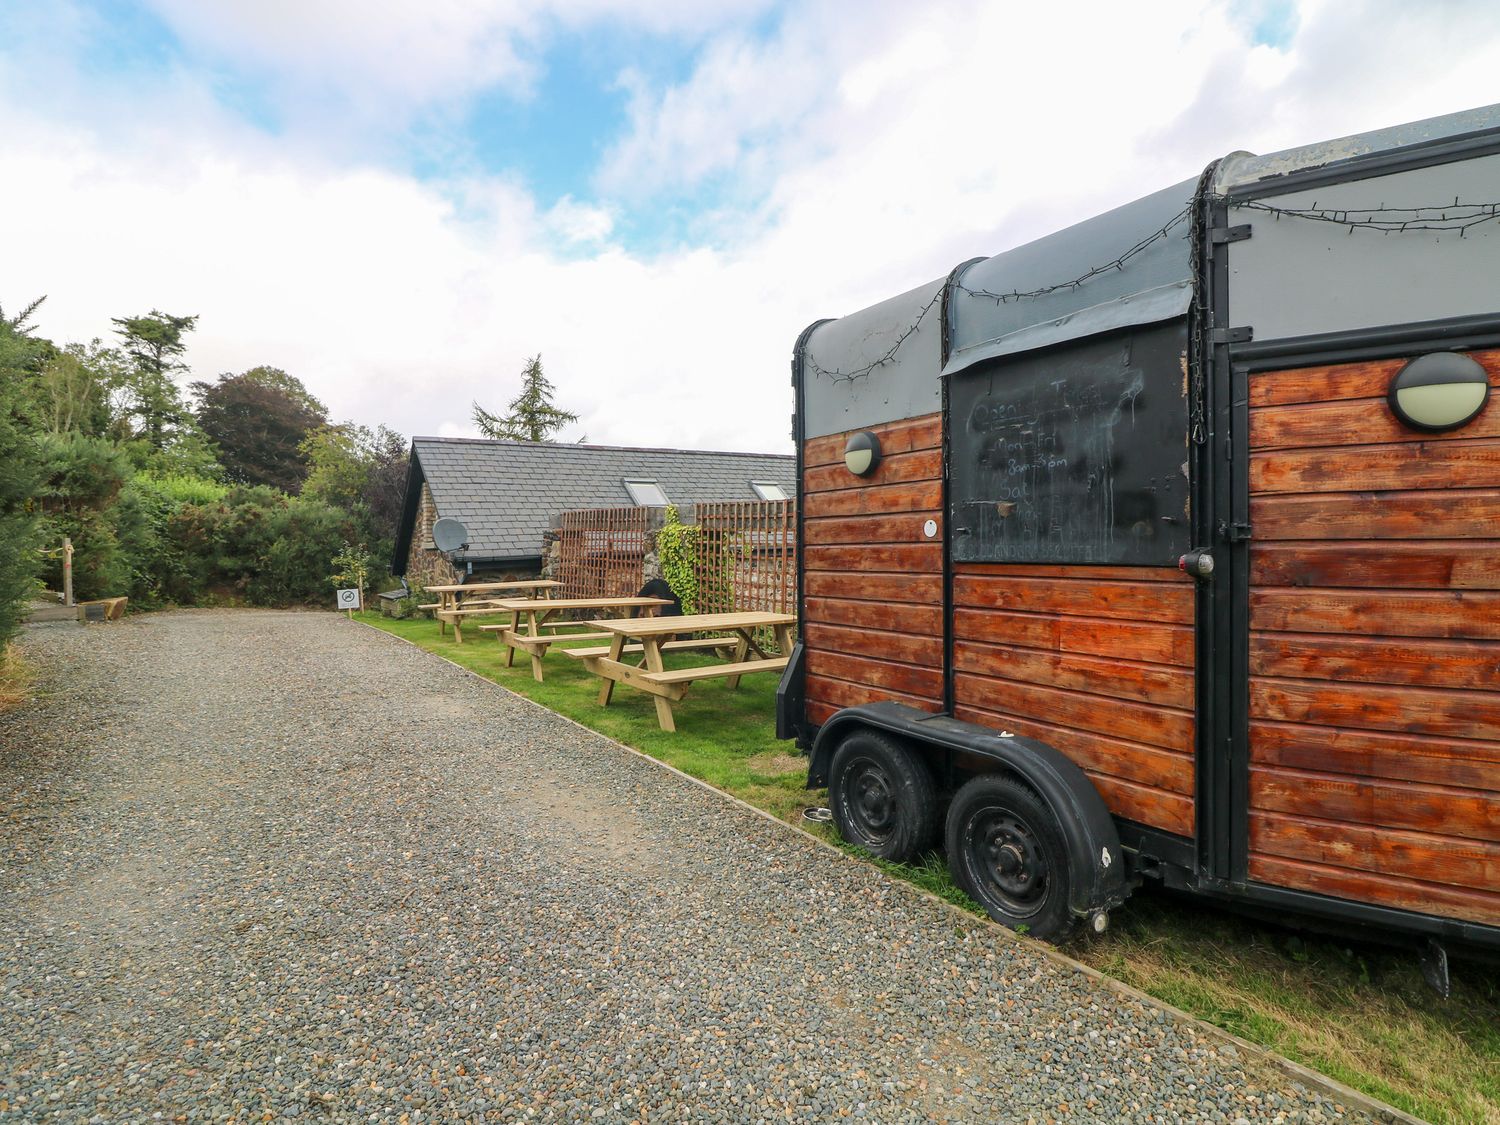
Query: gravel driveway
{"points": [[263, 864]]}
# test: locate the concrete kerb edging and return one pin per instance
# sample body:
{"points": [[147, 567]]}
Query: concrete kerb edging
{"points": [[1379, 1110]]}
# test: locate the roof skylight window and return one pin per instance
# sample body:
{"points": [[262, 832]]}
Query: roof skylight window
{"points": [[768, 490], [646, 493]]}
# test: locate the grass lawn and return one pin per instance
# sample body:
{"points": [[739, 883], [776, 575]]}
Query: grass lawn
{"points": [[1359, 1014]]}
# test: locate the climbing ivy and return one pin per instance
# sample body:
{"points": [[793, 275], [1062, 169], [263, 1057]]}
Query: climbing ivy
{"points": [[677, 550]]}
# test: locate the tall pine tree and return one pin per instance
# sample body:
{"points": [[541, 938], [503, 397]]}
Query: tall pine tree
{"points": [[532, 416], [155, 346]]}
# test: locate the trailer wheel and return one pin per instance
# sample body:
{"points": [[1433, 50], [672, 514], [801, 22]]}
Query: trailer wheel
{"points": [[1006, 850], [882, 796]]}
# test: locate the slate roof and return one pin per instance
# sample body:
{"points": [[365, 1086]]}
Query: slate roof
{"points": [[507, 493]]}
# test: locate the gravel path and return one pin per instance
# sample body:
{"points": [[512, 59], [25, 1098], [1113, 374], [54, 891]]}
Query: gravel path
{"points": [[264, 865]]}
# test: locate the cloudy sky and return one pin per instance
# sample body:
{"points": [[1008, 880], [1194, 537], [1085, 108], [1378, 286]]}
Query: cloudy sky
{"points": [[398, 202]]}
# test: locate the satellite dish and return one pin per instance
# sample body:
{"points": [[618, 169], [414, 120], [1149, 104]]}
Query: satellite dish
{"points": [[450, 535]]}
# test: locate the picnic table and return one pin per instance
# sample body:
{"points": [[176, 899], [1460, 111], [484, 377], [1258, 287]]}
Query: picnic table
{"points": [[655, 636], [455, 602], [541, 631]]}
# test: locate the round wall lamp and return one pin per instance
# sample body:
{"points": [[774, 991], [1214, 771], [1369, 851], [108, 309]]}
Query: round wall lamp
{"points": [[862, 453], [1439, 391]]}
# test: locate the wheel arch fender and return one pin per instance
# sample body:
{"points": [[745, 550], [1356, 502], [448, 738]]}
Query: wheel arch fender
{"points": [[1088, 830]]}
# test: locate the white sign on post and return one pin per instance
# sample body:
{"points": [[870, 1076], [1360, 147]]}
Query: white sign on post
{"points": [[348, 599]]}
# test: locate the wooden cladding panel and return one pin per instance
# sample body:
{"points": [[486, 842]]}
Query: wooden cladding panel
{"points": [[1391, 755], [921, 620], [1376, 660], [1378, 468], [1343, 381], [1371, 802], [923, 465], [1450, 565], [910, 435], [1154, 642], [1412, 855], [872, 625], [1375, 645], [1338, 425], [1128, 601], [1469, 513], [1096, 661], [1453, 614], [1361, 886], [913, 558]]}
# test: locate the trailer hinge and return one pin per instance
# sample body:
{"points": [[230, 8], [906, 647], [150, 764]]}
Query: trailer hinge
{"points": [[1234, 532], [1233, 335], [1221, 235]]}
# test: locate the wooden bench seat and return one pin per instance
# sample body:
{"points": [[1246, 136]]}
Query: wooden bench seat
{"points": [[667, 646], [714, 671], [546, 638]]}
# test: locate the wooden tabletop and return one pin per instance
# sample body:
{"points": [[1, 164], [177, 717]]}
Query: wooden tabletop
{"points": [[511, 605], [694, 623], [485, 587]]}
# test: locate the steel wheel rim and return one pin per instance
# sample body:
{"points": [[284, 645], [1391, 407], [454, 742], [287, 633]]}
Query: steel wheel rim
{"points": [[1007, 861], [868, 801]]}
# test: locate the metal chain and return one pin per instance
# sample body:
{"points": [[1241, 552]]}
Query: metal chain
{"points": [[1199, 313]]}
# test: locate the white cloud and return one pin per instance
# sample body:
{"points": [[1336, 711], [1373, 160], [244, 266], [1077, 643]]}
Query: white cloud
{"points": [[879, 145]]}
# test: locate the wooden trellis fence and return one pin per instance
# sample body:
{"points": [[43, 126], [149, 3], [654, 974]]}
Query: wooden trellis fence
{"points": [[603, 552], [747, 556]]}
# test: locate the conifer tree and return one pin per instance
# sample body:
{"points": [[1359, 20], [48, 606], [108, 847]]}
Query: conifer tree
{"points": [[532, 416]]}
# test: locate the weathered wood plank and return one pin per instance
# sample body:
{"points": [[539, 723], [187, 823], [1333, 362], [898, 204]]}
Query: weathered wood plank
{"points": [[909, 679], [1378, 468], [889, 644], [1462, 763], [1131, 601], [903, 528], [842, 693], [1448, 714], [1157, 643], [1087, 573], [920, 620], [919, 496], [1342, 380], [915, 588], [1412, 855], [904, 558], [905, 436], [1405, 894], [1470, 564], [1433, 663], [1164, 727], [1365, 421], [1431, 514], [925, 464], [1119, 679], [1150, 766], [1468, 813], [1435, 613]]}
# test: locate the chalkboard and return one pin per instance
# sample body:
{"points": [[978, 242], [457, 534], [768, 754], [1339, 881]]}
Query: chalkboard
{"points": [[1076, 454]]}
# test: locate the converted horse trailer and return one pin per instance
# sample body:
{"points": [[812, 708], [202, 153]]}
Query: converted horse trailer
{"points": [[1167, 547]]}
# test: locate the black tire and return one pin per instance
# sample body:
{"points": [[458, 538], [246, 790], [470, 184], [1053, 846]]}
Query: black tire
{"points": [[882, 796], [1006, 850]]}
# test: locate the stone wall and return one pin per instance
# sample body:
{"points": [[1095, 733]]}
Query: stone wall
{"points": [[425, 564]]}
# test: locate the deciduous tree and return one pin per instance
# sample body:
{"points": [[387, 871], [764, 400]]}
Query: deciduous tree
{"points": [[259, 420]]}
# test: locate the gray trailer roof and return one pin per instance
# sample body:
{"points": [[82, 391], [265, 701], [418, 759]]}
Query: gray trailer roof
{"points": [[877, 364], [1242, 169], [1132, 265]]}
